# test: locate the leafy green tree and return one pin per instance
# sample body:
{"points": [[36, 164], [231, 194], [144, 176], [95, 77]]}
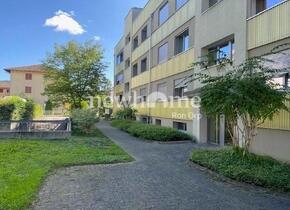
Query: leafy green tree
{"points": [[245, 94], [74, 72]]}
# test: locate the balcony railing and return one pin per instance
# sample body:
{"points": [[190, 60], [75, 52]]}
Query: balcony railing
{"points": [[269, 26]]}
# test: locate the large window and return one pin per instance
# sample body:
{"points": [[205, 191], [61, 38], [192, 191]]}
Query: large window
{"points": [[262, 5], [119, 79], [127, 63], [143, 95], [182, 42], [135, 70], [120, 58], [161, 92], [144, 65], [180, 3], [127, 87], [135, 43], [163, 13], [221, 52], [163, 53], [144, 33], [280, 60], [180, 126], [180, 87]]}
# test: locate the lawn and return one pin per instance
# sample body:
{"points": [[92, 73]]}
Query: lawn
{"points": [[253, 169], [24, 164]]}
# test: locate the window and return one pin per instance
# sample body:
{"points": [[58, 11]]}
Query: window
{"points": [[282, 81], [28, 76], [143, 95], [144, 65], [262, 5], [127, 63], [144, 34], [182, 42], [161, 92], [158, 122], [120, 98], [28, 90], [180, 87], [180, 3], [163, 13], [120, 58], [135, 70], [211, 3], [220, 52], [1, 90], [163, 53], [127, 87], [206, 4], [135, 43], [180, 126], [119, 79], [128, 39]]}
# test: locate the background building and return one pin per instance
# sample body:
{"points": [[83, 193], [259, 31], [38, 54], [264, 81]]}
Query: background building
{"points": [[4, 88], [162, 40], [27, 82]]}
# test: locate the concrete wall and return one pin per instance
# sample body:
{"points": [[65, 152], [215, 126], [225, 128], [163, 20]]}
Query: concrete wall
{"points": [[274, 143]]}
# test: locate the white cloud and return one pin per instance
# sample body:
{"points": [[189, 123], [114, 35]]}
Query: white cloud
{"points": [[97, 38], [64, 22]]}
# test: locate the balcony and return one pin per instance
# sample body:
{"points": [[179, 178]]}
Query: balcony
{"points": [[118, 89], [179, 109], [269, 26], [178, 64], [280, 121], [141, 79]]}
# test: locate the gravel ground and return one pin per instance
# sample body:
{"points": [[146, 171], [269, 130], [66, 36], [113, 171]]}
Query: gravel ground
{"points": [[160, 178]]}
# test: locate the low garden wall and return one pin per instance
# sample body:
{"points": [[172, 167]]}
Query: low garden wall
{"points": [[35, 129]]}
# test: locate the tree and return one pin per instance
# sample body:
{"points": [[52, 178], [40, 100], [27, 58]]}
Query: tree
{"points": [[74, 72], [245, 94]]}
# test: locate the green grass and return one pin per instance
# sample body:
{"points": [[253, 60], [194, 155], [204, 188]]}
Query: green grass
{"points": [[24, 164], [253, 169]]}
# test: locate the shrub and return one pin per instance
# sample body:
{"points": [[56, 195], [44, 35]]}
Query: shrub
{"points": [[151, 132], [253, 169], [49, 105], [83, 121], [126, 113], [16, 108], [28, 110], [124, 125], [13, 108], [38, 111]]}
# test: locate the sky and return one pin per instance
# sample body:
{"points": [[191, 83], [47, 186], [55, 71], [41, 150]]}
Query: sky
{"points": [[30, 28]]}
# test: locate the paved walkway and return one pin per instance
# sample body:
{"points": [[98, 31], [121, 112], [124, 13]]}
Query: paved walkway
{"points": [[160, 178]]}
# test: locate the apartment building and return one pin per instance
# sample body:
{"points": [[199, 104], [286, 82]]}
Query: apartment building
{"points": [[27, 82], [153, 61]]}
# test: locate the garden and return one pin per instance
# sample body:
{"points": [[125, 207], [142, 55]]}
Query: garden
{"points": [[24, 164]]}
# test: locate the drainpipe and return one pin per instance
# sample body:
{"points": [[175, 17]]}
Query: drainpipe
{"points": [[149, 63]]}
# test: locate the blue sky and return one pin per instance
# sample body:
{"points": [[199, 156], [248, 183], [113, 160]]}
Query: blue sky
{"points": [[25, 40]]}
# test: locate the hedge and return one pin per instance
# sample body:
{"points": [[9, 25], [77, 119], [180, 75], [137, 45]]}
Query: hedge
{"points": [[16, 108], [151, 132]]}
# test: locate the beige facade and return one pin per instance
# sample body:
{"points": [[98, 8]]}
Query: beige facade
{"points": [[27, 82], [164, 43]]}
